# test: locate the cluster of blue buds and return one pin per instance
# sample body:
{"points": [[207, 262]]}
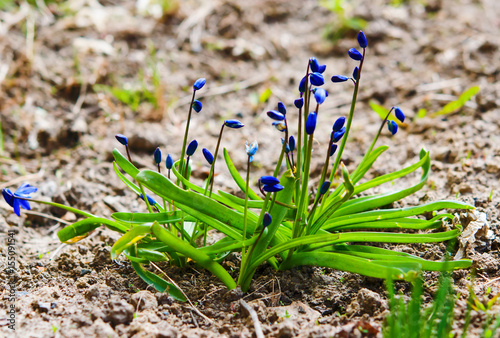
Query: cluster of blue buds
{"points": [[392, 125], [271, 184], [356, 56], [17, 200]]}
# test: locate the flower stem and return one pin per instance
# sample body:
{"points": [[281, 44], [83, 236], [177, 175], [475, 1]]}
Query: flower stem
{"points": [[184, 142]]}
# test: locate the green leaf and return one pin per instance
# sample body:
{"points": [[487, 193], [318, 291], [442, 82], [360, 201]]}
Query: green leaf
{"points": [[81, 228], [124, 163], [459, 103], [265, 95], [125, 180], [237, 178], [142, 218], [131, 237]]}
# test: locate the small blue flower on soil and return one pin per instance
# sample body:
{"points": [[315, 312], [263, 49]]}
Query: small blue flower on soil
{"points": [[122, 139], [333, 149], [235, 124], [337, 135], [311, 123], [399, 114], [198, 84], [150, 199], [280, 125], [197, 106], [324, 187], [363, 43], [355, 54], [339, 78], [339, 123], [393, 127], [299, 103], [208, 155], [13, 199], [355, 73], [191, 148], [269, 180], [273, 188], [281, 108], [251, 149], [267, 219], [291, 143], [157, 155], [317, 79], [275, 115], [320, 95], [169, 162]]}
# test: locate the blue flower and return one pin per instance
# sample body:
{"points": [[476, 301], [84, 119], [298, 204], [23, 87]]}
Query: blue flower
{"points": [[197, 106], [302, 85], [311, 123], [273, 188], [251, 149], [150, 199], [235, 124], [393, 127], [191, 148], [355, 54], [299, 103], [315, 66], [14, 199], [157, 155], [198, 84], [287, 146], [317, 79], [339, 123], [208, 155], [291, 143], [269, 180], [122, 139], [267, 219], [363, 43], [399, 114], [320, 95], [169, 162], [355, 73], [324, 187], [275, 115], [337, 135], [280, 125], [281, 108], [333, 149], [339, 78]]}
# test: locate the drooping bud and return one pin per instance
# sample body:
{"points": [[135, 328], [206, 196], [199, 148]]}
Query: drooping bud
{"points": [[266, 220], [235, 124], [324, 187], [355, 73], [208, 155], [273, 188], [197, 106], [339, 123], [393, 127], [191, 148], [291, 143], [337, 135], [339, 78], [320, 95], [363, 43], [275, 115], [122, 139], [299, 103], [355, 54], [317, 79], [198, 84], [399, 114], [311, 123], [269, 180], [281, 108], [333, 149]]}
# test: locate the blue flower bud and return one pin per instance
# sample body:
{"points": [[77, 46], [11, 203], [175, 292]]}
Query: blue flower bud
{"points": [[191, 148], [208, 155], [339, 78], [291, 143], [266, 220], [269, 180], [235, 124], [320, 95], [339, 123], [273, 188], [321, 69], [399, 114], [314, 64], [317, 79], [363, 43], [311, 123], [281, 108], [393, 127], [355, 73], [337, 135], [276, 115], [169, 162], [157, 155], [324, 187], [280, 125], [299, 103], [150, 199], [197, 106], [302, 85], [251, 148], [198, 84], [354, 54], [287, 147], [122, 139], [333, 149]]}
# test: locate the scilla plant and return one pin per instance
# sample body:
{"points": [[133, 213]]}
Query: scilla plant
{"points": [[286, 222]]}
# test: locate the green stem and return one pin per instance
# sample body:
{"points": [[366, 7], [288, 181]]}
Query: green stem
{"points": [[184, 142], [60, 206]]}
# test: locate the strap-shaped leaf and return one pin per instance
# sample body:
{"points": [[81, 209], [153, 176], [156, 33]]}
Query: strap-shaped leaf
{"points": [[399, 223], [131, 237], [237, 177], [84, 226], [124, 163], [141, 218], [196, 255], [125, 180]]}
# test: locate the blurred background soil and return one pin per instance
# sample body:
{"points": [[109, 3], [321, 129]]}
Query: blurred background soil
{"points": [[75, 73]]}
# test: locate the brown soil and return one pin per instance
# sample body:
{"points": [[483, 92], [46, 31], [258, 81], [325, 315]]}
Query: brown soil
{"points": [[58, 132]]}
